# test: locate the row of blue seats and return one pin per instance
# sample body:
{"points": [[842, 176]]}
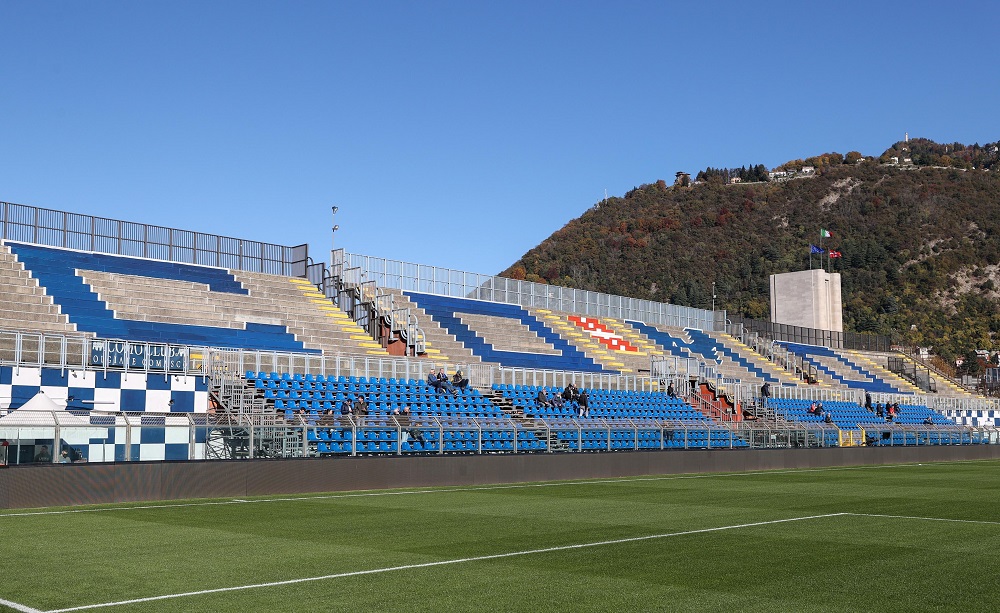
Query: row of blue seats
{"points": [[311, 378], [850, 415], [330, 386], [373, 398]]}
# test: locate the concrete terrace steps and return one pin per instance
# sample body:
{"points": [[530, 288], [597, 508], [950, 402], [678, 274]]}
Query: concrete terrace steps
{"points": [[820, 357], [311, 316], [505, 334], [24, 305], [880, 371], [447, 310], [270, 299], [628, 362], [843, 370], [558, 323], [784, 376], [441, 345]]}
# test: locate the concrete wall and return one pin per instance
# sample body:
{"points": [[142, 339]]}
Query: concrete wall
{"points": [[74, 484], [808, 299]]}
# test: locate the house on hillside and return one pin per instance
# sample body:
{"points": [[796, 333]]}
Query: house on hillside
{"points": [[808, 170]]}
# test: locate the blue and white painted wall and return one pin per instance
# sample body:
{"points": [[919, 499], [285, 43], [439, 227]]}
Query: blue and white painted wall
{"points": [[163, 433]]}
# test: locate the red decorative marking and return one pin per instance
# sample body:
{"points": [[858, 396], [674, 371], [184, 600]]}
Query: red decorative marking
{"points": [[602, 334]]}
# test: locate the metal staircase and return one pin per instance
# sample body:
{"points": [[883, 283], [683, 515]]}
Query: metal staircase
{"points": [[373, 308], [243, 425]]}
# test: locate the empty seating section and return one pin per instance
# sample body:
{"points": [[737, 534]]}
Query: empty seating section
{"points": [[830, 362], [447, 312], [734, 345], [307, 313], [57, 271], [877, 365], [703, 347], [24, 305], [600, 340]]}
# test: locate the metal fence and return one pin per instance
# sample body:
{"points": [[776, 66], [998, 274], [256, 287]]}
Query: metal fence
{"points": [[24, 223], [427, 279], [810, 336], [63, 437]]}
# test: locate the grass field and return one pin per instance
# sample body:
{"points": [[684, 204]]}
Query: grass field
{"points": [[899, 538]]}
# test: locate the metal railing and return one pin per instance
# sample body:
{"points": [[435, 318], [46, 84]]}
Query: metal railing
{"points": [[63, 351], [809, 336], [24, 223], [42, 437], [427, 279]]}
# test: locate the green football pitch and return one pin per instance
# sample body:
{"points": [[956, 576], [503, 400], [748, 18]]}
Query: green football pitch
{"points": [[915, 537]]}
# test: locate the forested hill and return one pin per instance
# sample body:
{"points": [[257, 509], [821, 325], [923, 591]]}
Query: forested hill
{"points": [[920, 242]]}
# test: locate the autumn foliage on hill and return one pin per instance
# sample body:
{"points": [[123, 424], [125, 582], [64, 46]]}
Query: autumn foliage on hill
{"points": [[921, 248]]}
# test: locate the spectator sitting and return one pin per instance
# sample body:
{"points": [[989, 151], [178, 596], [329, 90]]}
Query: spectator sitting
{"points": [[557, 401], [828, 418], [459, 380], [444, 383], [542, 399], [413, 435], [670, 391], [64, 457], [813, 409], [43, 454], [878, 410], [928, 421], [570, 393], [432, 380]]}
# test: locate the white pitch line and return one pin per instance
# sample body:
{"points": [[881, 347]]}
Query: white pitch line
{"points": [[487, 488], [944, 519], [18, 607], [496, 556]]}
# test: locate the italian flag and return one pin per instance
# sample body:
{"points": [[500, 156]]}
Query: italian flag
{"points": [[825, 234]]}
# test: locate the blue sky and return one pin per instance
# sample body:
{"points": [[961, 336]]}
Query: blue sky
{"points": [[457, 134]]}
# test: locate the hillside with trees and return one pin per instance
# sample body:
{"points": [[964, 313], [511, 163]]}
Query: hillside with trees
{"points": [[920, 244]]}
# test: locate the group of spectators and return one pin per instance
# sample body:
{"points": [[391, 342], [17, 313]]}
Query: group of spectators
{"points": [[817, 409], [888, 412], [438, 379], [68, 455], [570, 394]]}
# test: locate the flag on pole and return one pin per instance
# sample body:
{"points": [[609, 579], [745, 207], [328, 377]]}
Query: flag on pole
{"points": [[825, 234], [815, 249], [835, 254]]}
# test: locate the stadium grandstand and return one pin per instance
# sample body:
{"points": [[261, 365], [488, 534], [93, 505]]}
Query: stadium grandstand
{"points": [[124, 342]]}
